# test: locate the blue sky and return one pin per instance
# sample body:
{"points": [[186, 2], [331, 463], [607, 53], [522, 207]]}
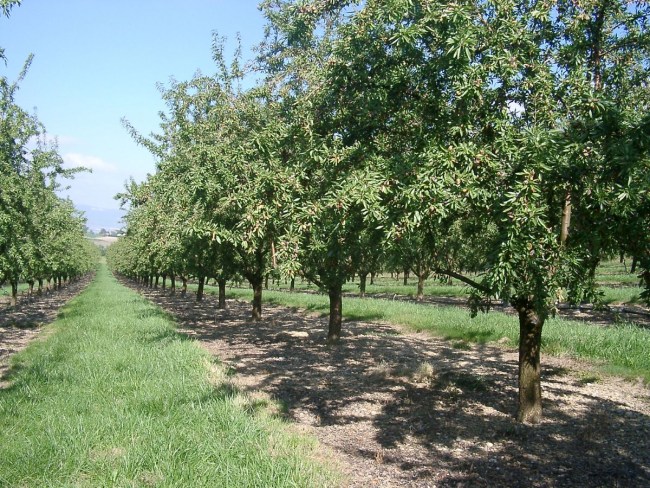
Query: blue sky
{"points": [[97, 61]]}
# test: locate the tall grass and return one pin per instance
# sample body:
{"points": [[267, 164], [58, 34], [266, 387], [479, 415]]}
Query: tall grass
{"points": [[627, 295], [115, 397], [622, 348]]}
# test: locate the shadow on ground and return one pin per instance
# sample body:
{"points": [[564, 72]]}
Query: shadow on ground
{"points": [[406, 409]]}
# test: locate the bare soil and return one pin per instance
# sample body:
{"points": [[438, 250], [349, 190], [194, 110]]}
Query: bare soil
{"points": [[396, 408]]}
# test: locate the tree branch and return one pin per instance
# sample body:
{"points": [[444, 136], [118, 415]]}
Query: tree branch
{"points": [[465, 279]]}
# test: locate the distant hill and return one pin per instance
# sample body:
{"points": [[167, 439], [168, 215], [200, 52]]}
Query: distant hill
{"points": [[103, 241], [102, 218]]}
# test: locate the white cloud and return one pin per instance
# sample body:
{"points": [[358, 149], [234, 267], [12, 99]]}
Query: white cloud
{"points": [[87, 161]]}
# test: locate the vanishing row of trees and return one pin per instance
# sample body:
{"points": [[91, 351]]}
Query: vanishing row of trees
{"points": [[504, 137], [41, 234]]}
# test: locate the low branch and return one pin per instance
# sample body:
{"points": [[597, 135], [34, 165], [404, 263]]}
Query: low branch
{"points": [[465, 279]]}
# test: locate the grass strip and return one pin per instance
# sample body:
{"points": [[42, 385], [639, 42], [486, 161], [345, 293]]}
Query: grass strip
{"points": [[620, 349], [615, 291], [116, 397]]}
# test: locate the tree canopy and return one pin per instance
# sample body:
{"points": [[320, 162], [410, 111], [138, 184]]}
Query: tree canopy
{"points": [[509, 139]]}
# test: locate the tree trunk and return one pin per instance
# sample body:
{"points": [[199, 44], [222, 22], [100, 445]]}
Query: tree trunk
{"points": [[292, 286], [257, 298], [222, 293], [420, 295], [406, 277], [157, 281], [199, 291], [336, 314], [635, 261], [566, 218], [39, 291], [266, 282], [164, 283], [30, 292], [14, 293], [362, 284], [530, 385], [184, 287], [172, 280], [60, 284], [372, 277]]}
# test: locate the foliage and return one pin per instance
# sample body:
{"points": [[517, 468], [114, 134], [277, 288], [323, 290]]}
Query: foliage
{"points": [[41, 235], [499, 137]]}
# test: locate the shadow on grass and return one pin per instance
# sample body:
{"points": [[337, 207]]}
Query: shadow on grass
{"points": [[354, 316], [478, 336]]}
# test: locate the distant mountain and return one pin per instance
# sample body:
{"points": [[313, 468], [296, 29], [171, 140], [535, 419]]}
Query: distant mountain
{"points": [[102, 218]]}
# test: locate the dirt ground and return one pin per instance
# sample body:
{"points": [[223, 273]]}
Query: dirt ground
{"points": [[394, 408], [404, 409]]}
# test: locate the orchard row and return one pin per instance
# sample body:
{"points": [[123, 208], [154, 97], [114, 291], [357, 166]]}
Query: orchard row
{"points": [[499, 139], [41, 235]]}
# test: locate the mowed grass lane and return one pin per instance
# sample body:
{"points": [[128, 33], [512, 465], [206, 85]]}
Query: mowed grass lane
{"points": [[115, 397]]}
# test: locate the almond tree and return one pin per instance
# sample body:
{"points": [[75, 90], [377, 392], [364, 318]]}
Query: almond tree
{"points": [[531, 142], [29, 169], [508, 115]]}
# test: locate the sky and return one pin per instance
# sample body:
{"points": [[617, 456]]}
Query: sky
{"points": [[98, 61]]}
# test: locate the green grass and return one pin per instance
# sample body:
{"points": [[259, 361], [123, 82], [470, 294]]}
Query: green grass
{"points": [[621, 349], [387, 285], [5, 291], [115, 397], [613, 272], [621, 295], [617, 285]]}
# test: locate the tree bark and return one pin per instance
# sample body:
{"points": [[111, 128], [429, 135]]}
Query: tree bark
{"points": [[566, 218], [336, 314], [157, 281], [362, 284], [184, 287], [372, 277], [30, 292], [199, 291], [420, 295], [222, 293], [164, 282], [172, 280], [39, 291], [14, 293], [292, 285], [406, 277], [257, 285], [530, 385]]}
